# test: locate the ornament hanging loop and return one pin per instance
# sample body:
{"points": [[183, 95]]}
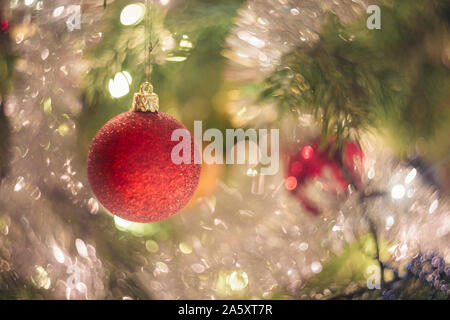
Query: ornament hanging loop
{"points": [[146, 100], [146, 87]]}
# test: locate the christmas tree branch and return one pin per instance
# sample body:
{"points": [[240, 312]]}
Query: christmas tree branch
{"points": [[356, 78]]}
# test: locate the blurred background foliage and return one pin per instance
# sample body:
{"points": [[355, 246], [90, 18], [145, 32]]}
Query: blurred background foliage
{"points": [[353, 79], [397, 82], [187, 71]]}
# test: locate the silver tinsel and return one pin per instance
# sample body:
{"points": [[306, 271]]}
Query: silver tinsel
{"points": [[251, 239]]}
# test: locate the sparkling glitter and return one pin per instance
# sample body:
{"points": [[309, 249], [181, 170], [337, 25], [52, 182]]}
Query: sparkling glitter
{"points": [[81, 248], [58, 11], [185, 248], [398, 192], [20, 184], [81, 287], [252, 172], [411, 175], [161, 266], [201, 253], [371, 173], [40, 278], [93, 206], [389, 222], [316, 267], [44, 54], [303, 246], [36, 193], [58, 254], [151, 246], [198, 268], [238, 280], [434, 205]]}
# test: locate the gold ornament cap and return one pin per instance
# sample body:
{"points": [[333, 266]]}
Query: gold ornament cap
{"points": [[146, 100]]}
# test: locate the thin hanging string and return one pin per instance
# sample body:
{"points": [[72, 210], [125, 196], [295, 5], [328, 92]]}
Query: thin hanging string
{"points": [[148, 38]]}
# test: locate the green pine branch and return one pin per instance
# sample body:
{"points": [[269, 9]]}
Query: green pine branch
{"points": [[356, 78]]}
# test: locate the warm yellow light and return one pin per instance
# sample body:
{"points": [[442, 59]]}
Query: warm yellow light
{"points": [[137, 229], [238, 280], [176, 59], [185, 44], [132, 14], [120, 85], [121, 223]]}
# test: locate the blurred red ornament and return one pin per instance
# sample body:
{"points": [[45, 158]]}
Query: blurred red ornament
{"points": [[307, 152], [311, 164], [4, 26], [130, 169]]}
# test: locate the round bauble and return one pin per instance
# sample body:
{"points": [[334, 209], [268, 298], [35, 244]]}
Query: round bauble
{"points": [[130, 169], [317, 175]]}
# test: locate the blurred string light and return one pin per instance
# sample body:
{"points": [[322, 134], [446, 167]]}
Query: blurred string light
{"points": [[252, 40], [398, 191], [411, 175], [176, 59], [290, 183], [135, 228], [434, 205], [151, 246], [237, 280], [316, 267], [20, 183], [185, 43], [371, 173], [121, 224], [167, 42], [120, 85], [132, 14], [389, 222], [58, 11], [227, 282], [58, 254]]}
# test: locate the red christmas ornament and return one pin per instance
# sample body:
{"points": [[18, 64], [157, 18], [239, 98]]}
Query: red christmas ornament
{"points": [[310, 164], [130, 169], [4, 26]]}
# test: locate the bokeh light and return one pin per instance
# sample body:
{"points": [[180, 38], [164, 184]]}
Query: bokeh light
{"points": [[120, 85], [132, 14]]}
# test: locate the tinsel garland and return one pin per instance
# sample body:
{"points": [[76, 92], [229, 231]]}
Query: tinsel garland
{"points": [[250, 240], [356, 78]]}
